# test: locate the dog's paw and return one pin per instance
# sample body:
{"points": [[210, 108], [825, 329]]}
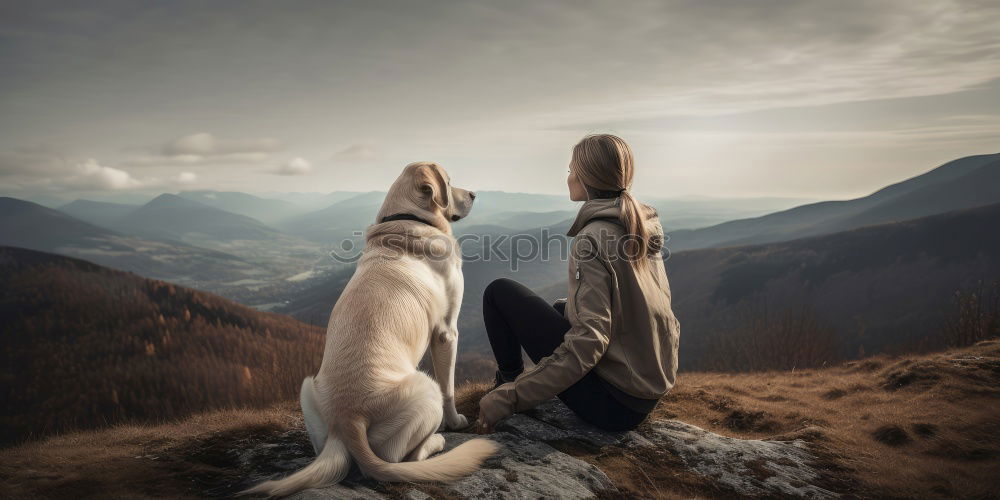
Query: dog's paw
{"points": [[457, 422]]}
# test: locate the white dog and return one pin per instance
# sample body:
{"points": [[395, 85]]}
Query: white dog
{"points": [[368, 401]]}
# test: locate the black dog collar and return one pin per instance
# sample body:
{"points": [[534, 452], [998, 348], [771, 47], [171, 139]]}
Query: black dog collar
{"points": [[404, 217]]}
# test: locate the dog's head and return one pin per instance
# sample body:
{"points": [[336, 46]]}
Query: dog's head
{"points": [[424, 189]]}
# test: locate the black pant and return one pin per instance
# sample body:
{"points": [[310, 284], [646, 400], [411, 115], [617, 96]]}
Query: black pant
{"points": [[516, 318]]}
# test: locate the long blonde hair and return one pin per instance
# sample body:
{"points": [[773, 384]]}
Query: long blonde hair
{"points": [[603, 162]]}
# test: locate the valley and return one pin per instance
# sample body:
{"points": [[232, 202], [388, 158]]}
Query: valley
{"points": [[910, 246]]}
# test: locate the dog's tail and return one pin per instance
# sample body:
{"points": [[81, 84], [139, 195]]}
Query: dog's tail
{"points": [[455, 464], [332, 463], [331, 466]]}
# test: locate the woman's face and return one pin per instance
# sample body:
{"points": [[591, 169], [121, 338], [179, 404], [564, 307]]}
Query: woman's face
{"points": [[576, 190]]}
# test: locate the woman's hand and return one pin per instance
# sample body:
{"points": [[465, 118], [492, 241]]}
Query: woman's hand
{"points": [[483, 425], [494, 407]]}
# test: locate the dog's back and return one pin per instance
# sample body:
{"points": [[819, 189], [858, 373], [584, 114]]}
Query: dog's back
{"points": [[368, 401], [379, 328]]}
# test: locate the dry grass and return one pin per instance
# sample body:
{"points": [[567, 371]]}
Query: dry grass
{"points": [[916, 426], [904, 427], [133, 461], [920, 426], [184, 459]]}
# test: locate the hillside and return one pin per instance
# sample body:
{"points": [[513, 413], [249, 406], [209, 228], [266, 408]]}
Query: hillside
{"points": [[29, 225], [910, 427], [276, 256], [263, 209], [884, 288], [337, 221], [310, 201], [173, 217], [963, 183], [84, 346], [978, 187], [99, 213]]}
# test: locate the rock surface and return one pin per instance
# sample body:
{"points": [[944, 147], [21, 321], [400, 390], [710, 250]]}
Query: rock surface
{"points": [[746, 467], [529, 469], [530, 466], [552, 421], [523, 469]]}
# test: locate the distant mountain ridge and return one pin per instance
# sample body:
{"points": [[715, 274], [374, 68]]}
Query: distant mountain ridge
{"points": [[29, 225], [265, 210], [879, 288], [173, 217], [100, 213], [337, 221], [310, 201], [947, 185]]}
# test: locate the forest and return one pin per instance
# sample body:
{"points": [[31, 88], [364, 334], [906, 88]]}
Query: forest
{"points": [[84, 346]]}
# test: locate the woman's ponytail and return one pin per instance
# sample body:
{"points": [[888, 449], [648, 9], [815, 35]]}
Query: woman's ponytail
{"points": [[632, 215]]}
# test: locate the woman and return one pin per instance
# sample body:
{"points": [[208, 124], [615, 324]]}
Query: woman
{"points": [[609, 352]]}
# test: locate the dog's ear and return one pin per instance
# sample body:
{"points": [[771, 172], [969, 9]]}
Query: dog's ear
{"points": [[431, 182]]}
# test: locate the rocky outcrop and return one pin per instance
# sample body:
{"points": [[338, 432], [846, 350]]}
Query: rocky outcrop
{"points": [[529, 469], [746, 467], [531, 465], [523, 468]]}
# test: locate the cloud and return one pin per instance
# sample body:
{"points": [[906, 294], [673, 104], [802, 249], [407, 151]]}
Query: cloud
{"points": [[38, 170], [204, 148], [710, 58], [357, 153], [497, 85], [94, 176], [295, 166], [205, 144], [32, 162], [182, 160]]}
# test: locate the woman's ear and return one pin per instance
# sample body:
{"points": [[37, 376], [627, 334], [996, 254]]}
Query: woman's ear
{"points": [[430, 181]]}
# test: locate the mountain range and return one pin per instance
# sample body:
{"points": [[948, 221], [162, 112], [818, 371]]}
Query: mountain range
{"points": [[717, 287], [274, 257], [266, 210], [99, 213], [339, 221], [29, 225], [211, 240], [962, 183], [173, 217], [881, 288]]}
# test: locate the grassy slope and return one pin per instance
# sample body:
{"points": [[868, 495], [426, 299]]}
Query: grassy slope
{"points": [[918, 426], [82, 346], [911, 426]]}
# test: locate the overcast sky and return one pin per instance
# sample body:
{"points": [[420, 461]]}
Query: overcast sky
{"points": [[819, 99]]}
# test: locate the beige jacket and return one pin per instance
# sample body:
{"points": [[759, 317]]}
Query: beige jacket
{"points": [[621, 321]]}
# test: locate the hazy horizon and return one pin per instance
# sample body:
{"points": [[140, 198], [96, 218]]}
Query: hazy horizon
{"points": [[57, 200], [806, 100]]}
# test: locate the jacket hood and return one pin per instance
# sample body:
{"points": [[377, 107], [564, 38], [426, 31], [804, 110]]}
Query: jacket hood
{"points": [[610, 208]]}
